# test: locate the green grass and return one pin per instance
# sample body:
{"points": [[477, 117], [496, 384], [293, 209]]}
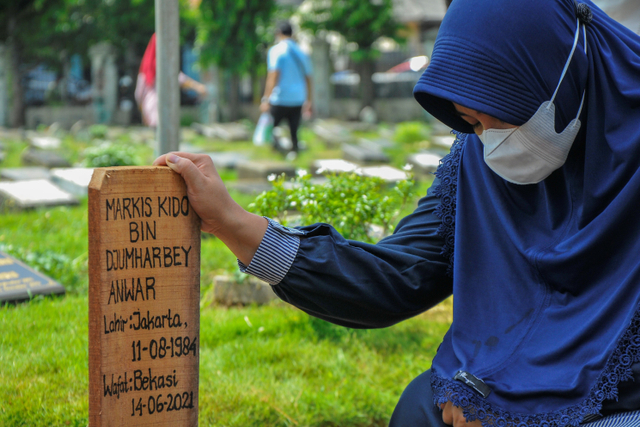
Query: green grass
{"points": [[271, 365], [259, 366]]}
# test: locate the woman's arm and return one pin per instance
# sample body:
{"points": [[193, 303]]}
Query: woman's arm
{"points": [[361, 285], [346, 282]]}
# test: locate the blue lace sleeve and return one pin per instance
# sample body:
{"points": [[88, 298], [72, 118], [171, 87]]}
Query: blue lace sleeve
{"points": [[447, 175]]}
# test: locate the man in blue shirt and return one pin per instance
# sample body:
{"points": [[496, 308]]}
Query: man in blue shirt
{"points": [[288, 88]]}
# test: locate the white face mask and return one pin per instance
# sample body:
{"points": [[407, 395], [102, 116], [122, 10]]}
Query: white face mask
{"points": [[530, 153]]}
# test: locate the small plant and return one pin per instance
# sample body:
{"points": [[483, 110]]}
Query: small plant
{"points": [[98, 131], [352, 203], [108, 154], [411, 132]]}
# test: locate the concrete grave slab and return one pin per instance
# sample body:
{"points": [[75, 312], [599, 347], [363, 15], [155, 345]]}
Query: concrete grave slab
{"points": [[19, 282], [189, 148], [359, 126], [332, 133], [44, 158], [232, 132], [443, 141], [24, 174], [424, 163], [227, 159], [321, 166], [363, 155], [204, 130], [142, 135], [73, 180], [32, 194], [45, 142], [387, 173], [188, 134], [261, 170], [224, 131], [251, 291], [376, 144]]}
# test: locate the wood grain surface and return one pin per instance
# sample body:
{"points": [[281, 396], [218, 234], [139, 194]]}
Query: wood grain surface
{"points": [[144, 293]]}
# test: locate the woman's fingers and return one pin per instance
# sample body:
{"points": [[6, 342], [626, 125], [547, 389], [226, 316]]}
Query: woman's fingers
{"points": [[207, 193], [447, 413]]}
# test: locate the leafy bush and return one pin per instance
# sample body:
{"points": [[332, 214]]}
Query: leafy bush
{"points": [[108, 154], [98, 131], [410, 132], [352, 203]]}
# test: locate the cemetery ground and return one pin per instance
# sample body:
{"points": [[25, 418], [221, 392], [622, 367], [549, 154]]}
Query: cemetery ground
{"points": [[260, 365]]}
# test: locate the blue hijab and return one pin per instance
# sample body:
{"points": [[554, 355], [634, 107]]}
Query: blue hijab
{"points": [[546, 276]]}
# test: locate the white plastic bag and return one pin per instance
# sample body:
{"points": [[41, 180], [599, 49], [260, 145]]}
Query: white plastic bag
{"points": [[264, 129]]}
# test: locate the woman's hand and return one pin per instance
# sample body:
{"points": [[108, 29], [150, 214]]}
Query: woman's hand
{"points": [[240, 230], [453, 416]]}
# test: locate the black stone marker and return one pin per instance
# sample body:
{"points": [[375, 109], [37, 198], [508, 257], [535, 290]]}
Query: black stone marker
{"points": [[18, 282]]}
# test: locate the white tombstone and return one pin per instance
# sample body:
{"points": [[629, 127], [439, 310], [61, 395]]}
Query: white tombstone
{"points": [[45, 142], [73, 180], [424, 163], [444, 141], [32, 194], [24, 173], [321, 166], [387, 173]]}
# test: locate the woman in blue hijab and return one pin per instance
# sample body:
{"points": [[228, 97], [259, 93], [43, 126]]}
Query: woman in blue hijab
{"points": [[532, 223], [543, 188]]}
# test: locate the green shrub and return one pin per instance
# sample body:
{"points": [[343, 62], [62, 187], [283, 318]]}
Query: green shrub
{"points": [[352, 203], [187, 120], [109, 154], [98, 131], [411, 132]]}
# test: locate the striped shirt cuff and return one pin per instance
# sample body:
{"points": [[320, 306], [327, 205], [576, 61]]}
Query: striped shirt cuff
{"points": [[624, 419], [275, 254]]}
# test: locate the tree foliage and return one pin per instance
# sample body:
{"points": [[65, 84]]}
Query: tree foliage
{"points": [[47, 29], [361, 22], [358, 21], [232, 33], [50, 31]]}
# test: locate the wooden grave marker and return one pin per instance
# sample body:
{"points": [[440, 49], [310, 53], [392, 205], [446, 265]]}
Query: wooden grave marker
{"points": [[144, 299]]}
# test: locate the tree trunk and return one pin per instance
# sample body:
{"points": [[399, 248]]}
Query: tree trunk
{"points": [[367, 93], [17, 110], [234, 97]]}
